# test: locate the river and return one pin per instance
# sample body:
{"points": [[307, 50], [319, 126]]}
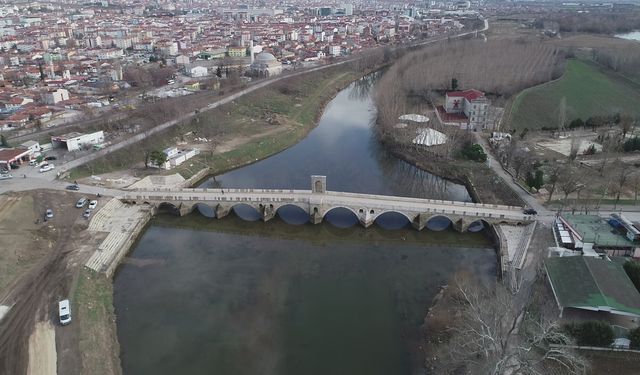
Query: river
{"points": [[232, 296], [634, 35]]}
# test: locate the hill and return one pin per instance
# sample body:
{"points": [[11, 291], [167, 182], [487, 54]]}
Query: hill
{"points": [[588, 89]]}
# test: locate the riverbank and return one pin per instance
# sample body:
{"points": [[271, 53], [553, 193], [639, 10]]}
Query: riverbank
{"points": [[255, 126], [483, 184]]}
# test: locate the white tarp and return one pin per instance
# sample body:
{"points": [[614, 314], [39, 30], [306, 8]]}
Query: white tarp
{"points": [[429, 137], [414, 117]]}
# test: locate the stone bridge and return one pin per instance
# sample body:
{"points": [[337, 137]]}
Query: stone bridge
{"points": [[318, 202]]}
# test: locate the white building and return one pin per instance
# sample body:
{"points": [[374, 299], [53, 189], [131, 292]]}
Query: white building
{"points": [[32, 146], [334, 50], [470, 103], [176, 157], [109, 54], [196, 71], [76, 141], [55, 96]]}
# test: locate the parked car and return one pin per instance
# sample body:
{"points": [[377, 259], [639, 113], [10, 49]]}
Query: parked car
{"points": [[87, 213], [5, 176], [49, 214], [64, 312], [47, 168], [93, 204], [33, 163], [530, 211], [50, 158], [14, 166], [81, 202], [73, 187]]}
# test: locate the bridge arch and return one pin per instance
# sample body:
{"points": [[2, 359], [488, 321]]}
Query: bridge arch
{"points": [[205, 210], [246, 211], [168, 207], [392, 219], [439, 222], [341, 220], [293, 214], [409, 217], [476, 226]]}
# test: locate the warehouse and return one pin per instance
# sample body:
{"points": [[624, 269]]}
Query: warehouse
{"points": [[77, 141]]}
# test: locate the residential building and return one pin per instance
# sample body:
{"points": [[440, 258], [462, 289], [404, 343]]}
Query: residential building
{"points": [[468, 109], [55, 96]]}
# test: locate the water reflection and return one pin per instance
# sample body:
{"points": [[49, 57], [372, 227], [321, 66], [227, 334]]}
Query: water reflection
{"points": [[293, 215], [343, 148]]}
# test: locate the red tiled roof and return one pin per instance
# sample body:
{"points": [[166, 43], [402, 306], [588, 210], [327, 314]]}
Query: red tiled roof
{"points": [[451, 117], [470, 95], [9, 154]]}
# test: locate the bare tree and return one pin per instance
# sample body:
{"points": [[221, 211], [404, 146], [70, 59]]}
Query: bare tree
{"points": [[570, 181], [626, 123], [622, 175], [492, 335], [574, 148], [562, 115], [552, 180]]}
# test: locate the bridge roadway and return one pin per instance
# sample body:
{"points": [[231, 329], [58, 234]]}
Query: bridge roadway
{"points": [[366, 207]]}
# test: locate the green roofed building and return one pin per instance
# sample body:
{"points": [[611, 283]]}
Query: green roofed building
{"points": [[593, 284]]}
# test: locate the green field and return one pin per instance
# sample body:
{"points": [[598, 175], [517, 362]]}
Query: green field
{"points": [[588, 90]]}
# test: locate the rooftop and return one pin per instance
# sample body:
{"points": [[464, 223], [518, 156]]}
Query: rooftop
{"points": [[593, 228], [471, 94], [9, 154], [592, 284]]}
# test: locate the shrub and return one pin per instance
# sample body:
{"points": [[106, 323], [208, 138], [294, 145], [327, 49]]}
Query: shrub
{"points": [[474, 152], [591, 333]]}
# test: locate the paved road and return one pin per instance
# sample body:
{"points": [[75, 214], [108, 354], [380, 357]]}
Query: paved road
{"points": [[544, 214]]}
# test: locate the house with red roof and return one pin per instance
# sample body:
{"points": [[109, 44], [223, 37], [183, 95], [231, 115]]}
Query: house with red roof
{"points": [[468, 109]]}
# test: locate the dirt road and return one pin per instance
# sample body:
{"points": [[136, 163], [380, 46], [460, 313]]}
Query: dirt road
{"points": [[42, 350], [44, 280]]}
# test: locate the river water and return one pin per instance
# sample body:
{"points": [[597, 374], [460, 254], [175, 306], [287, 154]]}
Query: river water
{"points": [[634, 35], [204, 296]]}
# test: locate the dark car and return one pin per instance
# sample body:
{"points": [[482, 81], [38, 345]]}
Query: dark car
{"points": [[530, 211], [73, 187], [50, 158]]}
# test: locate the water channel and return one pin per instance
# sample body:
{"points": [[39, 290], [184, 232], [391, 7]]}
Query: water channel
{"points": [[238, 296]]}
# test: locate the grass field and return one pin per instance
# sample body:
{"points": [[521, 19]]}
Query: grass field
{"points": [[588, 91], [93, 300]]}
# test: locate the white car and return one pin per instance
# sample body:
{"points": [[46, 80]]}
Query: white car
{"points": [[64, 312], [47, 168], [5, 176], [93, 204]]}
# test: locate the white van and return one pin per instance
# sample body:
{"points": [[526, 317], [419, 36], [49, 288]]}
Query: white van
{"points": [[64, 311]]}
